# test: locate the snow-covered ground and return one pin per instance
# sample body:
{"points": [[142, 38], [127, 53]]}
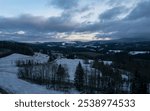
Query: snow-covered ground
{"points": [[9, 80], [71, 64], [10, 83], [131, 52], [138, 52], [115, 51], [107, 62]]}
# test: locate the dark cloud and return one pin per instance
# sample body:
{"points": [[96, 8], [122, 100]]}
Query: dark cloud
{"points": [[38, 24], [136, 24], [126, 28], [65, 4], [112, 13], [26, 22], [141, 11]]}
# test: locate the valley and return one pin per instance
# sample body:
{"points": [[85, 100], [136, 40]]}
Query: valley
{"points": [[103, 64]]}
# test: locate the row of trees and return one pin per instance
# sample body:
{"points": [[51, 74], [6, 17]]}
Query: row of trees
{"points": [[95, 78], [50, 74], [100, 79], [108, 78]]}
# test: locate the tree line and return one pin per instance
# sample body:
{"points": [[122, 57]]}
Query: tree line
{"points": [[96, 78]]}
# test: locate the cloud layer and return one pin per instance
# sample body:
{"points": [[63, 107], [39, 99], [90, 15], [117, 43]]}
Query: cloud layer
{"points": [[115, 20], [64, 4]]}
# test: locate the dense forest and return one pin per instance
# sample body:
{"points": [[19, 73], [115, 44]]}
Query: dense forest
{"points": [[7, 48]]}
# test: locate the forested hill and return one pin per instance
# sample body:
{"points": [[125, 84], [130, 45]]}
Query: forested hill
{"points": [[9, 47]]}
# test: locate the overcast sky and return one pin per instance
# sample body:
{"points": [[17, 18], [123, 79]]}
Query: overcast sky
{"points": [[57, 20]]}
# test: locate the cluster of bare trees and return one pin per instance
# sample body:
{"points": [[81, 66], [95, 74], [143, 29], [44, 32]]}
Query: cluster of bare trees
{"points": [[23, 63], [50, 74]]}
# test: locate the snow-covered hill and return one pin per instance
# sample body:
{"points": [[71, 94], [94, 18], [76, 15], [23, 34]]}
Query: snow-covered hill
{"points": [[71, 64], [9, 80]]}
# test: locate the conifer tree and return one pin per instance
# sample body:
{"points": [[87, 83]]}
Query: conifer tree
{"points": [[79, 77], [62, 77]]}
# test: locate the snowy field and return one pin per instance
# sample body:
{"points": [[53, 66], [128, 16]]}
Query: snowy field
{"points": [[9, 80], [115, 51], [71, 64], [138, 52]]}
